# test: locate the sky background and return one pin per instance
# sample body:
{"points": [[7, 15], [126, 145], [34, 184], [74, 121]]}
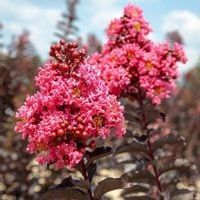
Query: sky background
{"points": [[40, 18]]}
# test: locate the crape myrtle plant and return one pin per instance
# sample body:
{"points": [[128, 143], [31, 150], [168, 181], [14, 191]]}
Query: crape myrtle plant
{"points": [[69, 112], [143, 74], [77, 107], [20, 176]]}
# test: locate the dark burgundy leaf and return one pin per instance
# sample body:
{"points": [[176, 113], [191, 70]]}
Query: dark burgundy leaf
{"points": [[107, 185], [98, 153], [168, 139], [139, 176], [91, 170], [65, 194]]}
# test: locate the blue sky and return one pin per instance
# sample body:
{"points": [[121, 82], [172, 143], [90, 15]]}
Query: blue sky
{"points": [[40, 17]]}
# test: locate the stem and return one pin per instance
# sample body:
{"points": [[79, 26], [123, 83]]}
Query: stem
{"points": [[85, 175], [149, 147], [154, 166]]}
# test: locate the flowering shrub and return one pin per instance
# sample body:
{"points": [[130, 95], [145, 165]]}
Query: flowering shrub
{"points": [[131, 64], [76, 105], [71, 109]]}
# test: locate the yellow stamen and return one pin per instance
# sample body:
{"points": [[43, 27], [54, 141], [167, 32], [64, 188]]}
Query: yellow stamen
{"points": [[41, 147], [130, 54], [158, 90], [76, 91], [149, 65], [113, 58], [137, 26], [98, 121]]}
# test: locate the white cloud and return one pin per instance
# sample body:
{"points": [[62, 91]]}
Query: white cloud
{"points": [[193, 55], [188, 24], [101, 4], [102, 12], [102, 18], [40, 22], [22, 14], [99, 13]]}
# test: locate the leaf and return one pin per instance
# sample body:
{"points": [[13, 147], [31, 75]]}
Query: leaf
{"points": [[132, 125], [132, 147], [91, 170], [107, 185], [67, 182], [72, 183], [68, 189], [178, 164], [98, 153], [171, 182], [129, 104], [65, 194], [141, 138], [135, 189], [84, 184], [139, 198], [163, 116], [154, 114], [182, 194], [139, 176], [168, 139], [131, 116]]}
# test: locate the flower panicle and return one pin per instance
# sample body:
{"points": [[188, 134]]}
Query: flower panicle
{"points": [[133, 65], [71, 109]]}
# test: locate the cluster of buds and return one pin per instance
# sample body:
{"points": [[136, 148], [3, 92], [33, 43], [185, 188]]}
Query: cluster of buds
{"points": [[70, 111], [74, 131], [66, 56]]}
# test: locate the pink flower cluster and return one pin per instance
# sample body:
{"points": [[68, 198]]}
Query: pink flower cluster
{"points": [[72, 108], [133, 65]]}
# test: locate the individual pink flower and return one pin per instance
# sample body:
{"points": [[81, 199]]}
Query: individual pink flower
{"points": [[71, 109], [114, 27], [132, 11]]}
